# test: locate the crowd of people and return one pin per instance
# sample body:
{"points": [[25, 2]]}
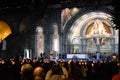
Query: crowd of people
{"points": [[46, 69]]}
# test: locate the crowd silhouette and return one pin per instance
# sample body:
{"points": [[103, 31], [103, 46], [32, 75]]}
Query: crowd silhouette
{"points": [[46, 69]]}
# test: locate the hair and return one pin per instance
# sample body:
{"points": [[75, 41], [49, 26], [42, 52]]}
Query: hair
{"points": [[27, 71], [57, 70], [38, 73]]}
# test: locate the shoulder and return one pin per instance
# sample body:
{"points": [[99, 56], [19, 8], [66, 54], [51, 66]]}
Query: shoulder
{"points": [[48, 74], [116, 77], [57, 77]]}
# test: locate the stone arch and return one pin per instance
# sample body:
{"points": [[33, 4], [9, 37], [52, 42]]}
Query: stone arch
{"points": [[102, 18], [84, 25], [79, 24]]}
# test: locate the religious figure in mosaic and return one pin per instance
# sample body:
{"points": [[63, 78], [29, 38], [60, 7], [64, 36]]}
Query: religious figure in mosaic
{"points": [[98, 29], [65, 15], [98, 32], [103, 40]]}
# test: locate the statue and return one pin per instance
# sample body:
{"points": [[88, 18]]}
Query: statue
{"points": [[55, 39]]}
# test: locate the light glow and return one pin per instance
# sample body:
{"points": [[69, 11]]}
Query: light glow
{"points": [[4, 30]]}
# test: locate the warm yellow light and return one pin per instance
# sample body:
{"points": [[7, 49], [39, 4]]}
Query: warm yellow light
{"points": [[4, 30]]}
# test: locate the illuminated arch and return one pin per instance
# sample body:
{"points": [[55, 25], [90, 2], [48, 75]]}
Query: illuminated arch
{"points": [[80, 26], [4, 30]]}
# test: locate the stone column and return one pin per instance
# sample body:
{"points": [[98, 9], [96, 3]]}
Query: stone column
{"points": [[39, 41], [98, 44]]}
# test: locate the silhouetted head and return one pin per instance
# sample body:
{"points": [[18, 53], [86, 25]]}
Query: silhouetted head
{"points": [[38, 73], [27, 72]]}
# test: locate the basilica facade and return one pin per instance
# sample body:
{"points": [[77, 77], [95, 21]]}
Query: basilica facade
{"points": [[76, 30], [85, 27]]}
